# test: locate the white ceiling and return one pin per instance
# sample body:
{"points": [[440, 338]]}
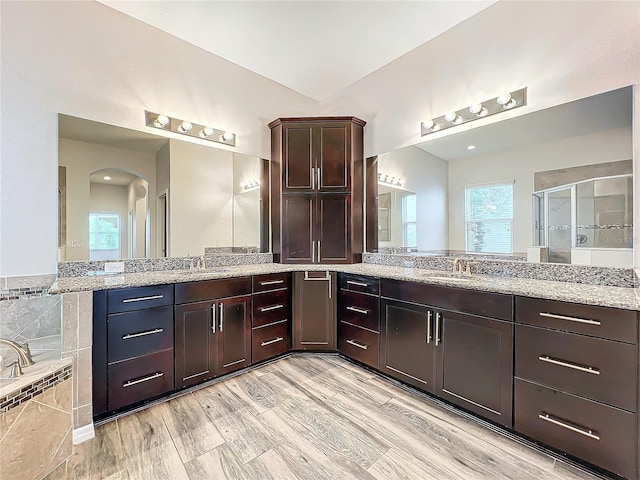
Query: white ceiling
{"points": [[607, 111], [316, 48]]}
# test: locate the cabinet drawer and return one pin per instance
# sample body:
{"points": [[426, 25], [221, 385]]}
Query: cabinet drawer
{"points": [[359, 344], [129, 299], [270, 307], [603, 322], [141, 378], [602, 435], [133, 334], [360, 283], [358, 309], [591, 367], [212, 289], [270, 341], [271, 281]]}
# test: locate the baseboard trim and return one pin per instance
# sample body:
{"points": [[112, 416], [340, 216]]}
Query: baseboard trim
{"points": [[83, 434]]}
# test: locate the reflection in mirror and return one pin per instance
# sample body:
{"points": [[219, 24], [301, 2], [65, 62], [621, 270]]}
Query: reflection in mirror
{"points": [[130, 194], [594, 132], [396, 217]]}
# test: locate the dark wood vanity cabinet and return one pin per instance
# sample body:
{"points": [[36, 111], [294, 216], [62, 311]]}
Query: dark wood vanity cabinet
{"points": [[461, 356], [212, 334], [317, 188], [271, 319], [314, 311], [576, 386]]}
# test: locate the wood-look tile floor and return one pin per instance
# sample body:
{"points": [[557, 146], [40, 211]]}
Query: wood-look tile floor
{"points": [[305, 417]]}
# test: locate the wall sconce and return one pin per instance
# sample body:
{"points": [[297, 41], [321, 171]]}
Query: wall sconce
{"points": [[185, 127], [389, 181], [250, 185], [506, 101]]}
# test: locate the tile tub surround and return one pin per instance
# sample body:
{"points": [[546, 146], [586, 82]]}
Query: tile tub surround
{"points": [[586, 274], [36, 433], [140, 265]]}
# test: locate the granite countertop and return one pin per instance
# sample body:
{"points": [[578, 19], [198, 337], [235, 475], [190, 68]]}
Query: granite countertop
{"points": [[619, 297]]}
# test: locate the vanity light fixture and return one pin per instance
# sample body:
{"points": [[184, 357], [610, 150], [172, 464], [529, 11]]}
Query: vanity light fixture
{"points": [[185, 127], [250, 185], [388, 180], [505, 101]]}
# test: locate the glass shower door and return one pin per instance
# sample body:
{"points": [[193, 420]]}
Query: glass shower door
{"points": [[560, 228]]}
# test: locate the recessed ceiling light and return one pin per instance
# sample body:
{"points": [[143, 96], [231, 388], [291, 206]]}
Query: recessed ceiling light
{"points": [[107, 177], [471, 147]]}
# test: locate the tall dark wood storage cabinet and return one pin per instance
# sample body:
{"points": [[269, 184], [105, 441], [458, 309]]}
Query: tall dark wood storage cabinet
{"points": [[317, 189]]}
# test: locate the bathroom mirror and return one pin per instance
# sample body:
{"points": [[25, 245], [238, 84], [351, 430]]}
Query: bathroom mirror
{"points": [[130, 194], [461, 181]]}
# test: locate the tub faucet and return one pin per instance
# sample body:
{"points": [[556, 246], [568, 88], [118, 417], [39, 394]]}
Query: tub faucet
{"points": [[22, 349]]}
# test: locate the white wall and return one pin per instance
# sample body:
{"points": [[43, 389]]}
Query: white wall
{"points": [[246, 205], [81, 160], [111, 199], [87, 60], [163, 182], [201, 196], [519, 165], [426, 175], [561, 51]]}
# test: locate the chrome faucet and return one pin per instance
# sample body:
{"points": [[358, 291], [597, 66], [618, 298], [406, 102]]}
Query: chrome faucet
{"points": [[24, 355], [458, 266]]}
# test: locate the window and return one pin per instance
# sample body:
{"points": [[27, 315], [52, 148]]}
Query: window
{"points": [[489, 218], [409, 238], [104, 236]]}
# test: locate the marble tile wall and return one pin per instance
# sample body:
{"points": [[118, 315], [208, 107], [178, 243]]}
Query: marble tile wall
{"points": [[36, 435], [77, 332]]}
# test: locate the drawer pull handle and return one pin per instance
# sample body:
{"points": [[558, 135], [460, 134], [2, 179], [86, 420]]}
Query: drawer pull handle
{"points": [[359, 284], [130, 383], [571, 319], [356, 344], [271, 282], [142, 334], [275, 340], [142, 299], [358, 310], [273, 307], [587, 432], [562, 363]]}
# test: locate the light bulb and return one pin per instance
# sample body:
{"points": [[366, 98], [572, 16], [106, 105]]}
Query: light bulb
{"points": [[450, 117], [161, 121], [504, 98], [475, 108], [185, 127], [227, 136], [107, 177], [471, 147], [427, 124], [510, 104], [206, 132]]}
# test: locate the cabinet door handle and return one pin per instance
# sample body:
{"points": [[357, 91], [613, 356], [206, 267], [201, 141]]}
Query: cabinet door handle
{"points": [[221, 315], [438, 318], [358, 310], [313, 251], [313, 178], [358, 284], [588, 321], [429, 315], [213, 321], [319, 178], [356, 344], [575, 366], [273, 307], [271, 282], [587, 432], [142, 299], [130, 383], [319, 251], [142, 334], [269, 342]]}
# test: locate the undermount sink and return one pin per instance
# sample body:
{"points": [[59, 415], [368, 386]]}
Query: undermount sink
{"points": [[208, 271], [451, 277]]}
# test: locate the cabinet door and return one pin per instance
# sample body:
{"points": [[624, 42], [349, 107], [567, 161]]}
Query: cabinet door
{"points": [[195, 350], [333, 157], [298, 166], [407, 346], [333, 226], [298, 242], [474, 364], [314, 311], [234, 334]]}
